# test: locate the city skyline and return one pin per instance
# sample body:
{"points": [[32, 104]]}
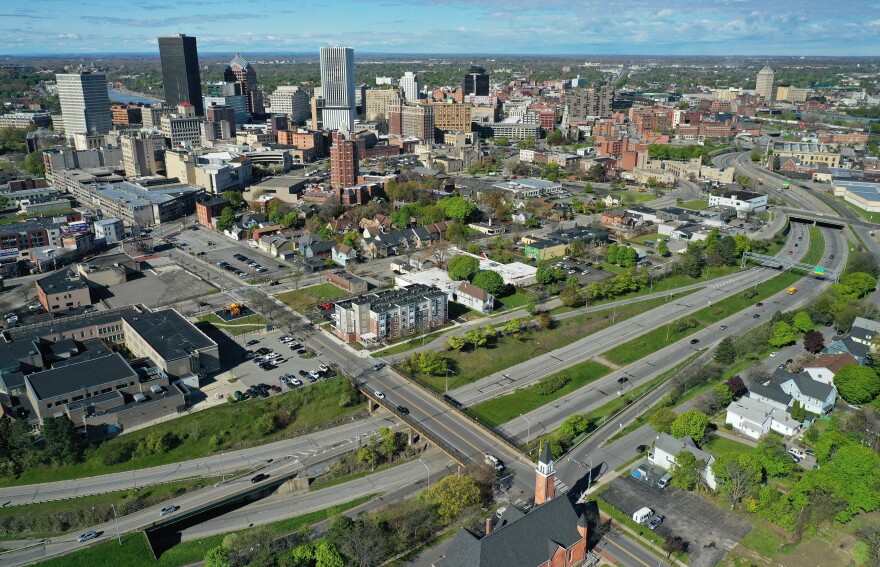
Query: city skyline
{"points": [[716, 27]]}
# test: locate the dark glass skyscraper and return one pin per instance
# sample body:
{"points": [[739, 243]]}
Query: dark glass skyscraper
{"points": [[476, 82], [180, 71]]}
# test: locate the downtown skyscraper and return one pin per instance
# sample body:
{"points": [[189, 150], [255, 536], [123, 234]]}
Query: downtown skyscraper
{"points": [[85, 104], [180, 71], [337, 86]]}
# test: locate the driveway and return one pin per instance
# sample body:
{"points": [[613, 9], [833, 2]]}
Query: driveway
{"points": [[709, 530]]}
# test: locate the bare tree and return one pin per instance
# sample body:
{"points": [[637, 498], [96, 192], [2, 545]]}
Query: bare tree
{"points": [[870, 536]]}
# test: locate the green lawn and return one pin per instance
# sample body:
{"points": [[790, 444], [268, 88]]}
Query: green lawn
{"points": [[722, 445], [657, 339], [502, 409], [135, 551], [518, 299], [237, 326], [472, 365], [48, 519], [634, 197], [867, 215], [233, 426], [408, 345], [695, 205], [641, 239], [303, 300]]}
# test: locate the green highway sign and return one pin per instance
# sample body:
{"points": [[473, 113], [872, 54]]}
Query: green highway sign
{"points": [[819, 270]]}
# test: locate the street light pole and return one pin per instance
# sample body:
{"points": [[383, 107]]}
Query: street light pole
{"points": [[528, 428], [116, 518], [427, 470]]}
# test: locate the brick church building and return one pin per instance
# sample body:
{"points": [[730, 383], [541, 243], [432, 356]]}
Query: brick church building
{"points": [[551, 534]]}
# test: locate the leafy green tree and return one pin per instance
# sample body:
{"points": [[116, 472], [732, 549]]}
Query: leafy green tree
{"points": [[227, 219], [687, 471], [234, 198], [571, 297], [722, 394], [857, 384], [62, 444], [217, 557], [476, 337], [860, 283], [303, 556], [662, 419], [781, 334], [691, 423], [457, 343], [513, 327], [458, 233], [368, 455], [663, 248], [490, 281], [392, 440], [457, 208], [463, 267], [327, 556], [351, 239], [864, 262], [725, 353], [692, 262], [574, 425], [453, 495], [431, 362], [802, 322], [773, 455], [738, 474], [33, 164]]}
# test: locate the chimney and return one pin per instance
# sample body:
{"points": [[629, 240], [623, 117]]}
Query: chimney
{"points": [[488, 525]]}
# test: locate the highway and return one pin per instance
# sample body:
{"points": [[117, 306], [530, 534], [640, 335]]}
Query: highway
{"points": [[589, 347], [321, 444]]}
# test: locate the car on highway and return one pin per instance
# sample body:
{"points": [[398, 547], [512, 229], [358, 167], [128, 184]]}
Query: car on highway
{"points": [[379, 395], [658, 519], [91, 534], [759, 304], [831, 257], [694, 341], [170, 509], [622, 380], [790, 252], [378, 366], [259, 478], [403, 410], [723, 327], [756, 316], [774, 354]]}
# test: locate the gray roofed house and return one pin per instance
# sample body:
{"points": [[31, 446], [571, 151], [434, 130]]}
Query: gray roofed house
{"points": [[816, 397], [863, 330], [772, 396], [666, 448], [847, 345]]}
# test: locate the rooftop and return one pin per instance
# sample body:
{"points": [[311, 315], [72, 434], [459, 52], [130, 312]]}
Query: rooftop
{"points": [[61, 281], [801, 147], [832, 362], [79, 375], [169, 333]]}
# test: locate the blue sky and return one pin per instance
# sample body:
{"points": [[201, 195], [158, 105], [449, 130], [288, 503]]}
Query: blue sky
{"points": [[589, 27]]}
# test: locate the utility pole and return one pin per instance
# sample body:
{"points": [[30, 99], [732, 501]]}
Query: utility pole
{"points": [[116, 518]]}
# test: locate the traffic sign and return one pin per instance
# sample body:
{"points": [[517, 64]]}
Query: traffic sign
{"points": [[819, 270]]}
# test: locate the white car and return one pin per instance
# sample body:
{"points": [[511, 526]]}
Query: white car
{"points": [[296, 382], [774, 354], [379, 395], [323, 368], [168, 510], [314, 375]]}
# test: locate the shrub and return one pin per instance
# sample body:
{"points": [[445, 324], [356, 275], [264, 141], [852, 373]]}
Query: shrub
{"points": [[550, 384]]}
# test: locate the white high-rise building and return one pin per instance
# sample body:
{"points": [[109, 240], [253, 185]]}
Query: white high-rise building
{"points": [[85, 104], [764, 83], [409, 83], [337, 88], [292, 101]]}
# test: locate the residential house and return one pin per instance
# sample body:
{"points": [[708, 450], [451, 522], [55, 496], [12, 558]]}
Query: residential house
{"points": [[666, 448], [343, 254], [612, 201], [277, 246], [754, 418], [863, 330], [773, 397], [825, 367], [473, 297], [521, 217], [552, 533], [815, 397], [312, 246], [848, 345]]}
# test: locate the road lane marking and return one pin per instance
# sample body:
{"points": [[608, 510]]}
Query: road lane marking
{"points": [[625, 551]]}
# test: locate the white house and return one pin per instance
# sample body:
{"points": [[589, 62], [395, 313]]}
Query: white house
{"points": [[740, 200], [343, 254], [473, 297], [863, 330], [754, 418], [825, 367], [815, 397], [666, 448]]}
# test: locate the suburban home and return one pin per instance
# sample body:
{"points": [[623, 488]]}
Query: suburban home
{"points": [[236, 232], [848, 345], [312, 246], [552, 533], [773, 397], [612, 201], [754, 418], [343, 254], [520, 217], [815, 397], [666, 448], [277, 247], [473, 297], [825, 367], [863, 330]]}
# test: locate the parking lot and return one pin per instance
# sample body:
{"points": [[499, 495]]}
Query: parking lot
{"points": [[585, 271], [250, 373], [709, 530]]}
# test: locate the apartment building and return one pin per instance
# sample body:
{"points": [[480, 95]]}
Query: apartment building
{"points": [[390, 314]]}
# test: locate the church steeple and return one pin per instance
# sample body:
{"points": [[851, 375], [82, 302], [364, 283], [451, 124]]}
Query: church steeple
{"points": [[545, 477]]}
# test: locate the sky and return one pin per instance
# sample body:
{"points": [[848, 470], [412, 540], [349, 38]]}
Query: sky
{"points": [[588, 27]]}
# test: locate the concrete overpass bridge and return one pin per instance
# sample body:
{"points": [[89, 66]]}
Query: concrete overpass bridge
{"points": [[822, 219]]}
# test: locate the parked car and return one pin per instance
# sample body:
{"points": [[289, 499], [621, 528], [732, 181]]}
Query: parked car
{"points": [[323, 368], [296, 382], [658, 519], [252, 342]]}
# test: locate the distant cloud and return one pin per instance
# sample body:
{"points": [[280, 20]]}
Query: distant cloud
{"points": [[68, 36], [171, 21]]}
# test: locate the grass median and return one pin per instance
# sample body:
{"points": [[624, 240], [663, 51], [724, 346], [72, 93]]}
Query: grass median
{"points": [[136, 552], [504, 408], [200, 434]]}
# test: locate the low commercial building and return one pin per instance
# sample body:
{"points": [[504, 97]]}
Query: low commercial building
{"points": [[863, 194], [348, 282], [25, 120], [62, 291], [387, 315], [745, 201], [807, 153], [529, 188], [208, 210]]}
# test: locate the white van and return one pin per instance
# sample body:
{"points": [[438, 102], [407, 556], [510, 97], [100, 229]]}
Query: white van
{"points": [[664, 480], [641, 516], [797, 452]]}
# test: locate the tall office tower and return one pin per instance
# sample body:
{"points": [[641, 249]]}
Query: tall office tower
{"points": [[240, 71], [292, 101], [227, 94], [592, 101], [764, 83], [85, 105], [409, 83], [476, 82], [138, 155], [337, 88], [180, 71], [343, 161]]}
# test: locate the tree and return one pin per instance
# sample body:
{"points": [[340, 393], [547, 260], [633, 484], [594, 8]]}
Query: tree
{"points": [[722, 395], [571, 297], [574, 425], [544, 276], [738, 474], [303, 556], [662, 419], [687, 471], [368, 455], [736, 386], [814, 342], [870, 536], [457, 208], [327, 556], [802, 322], [673, 544], [773, 455], [781, 334], [693, 262], [864, 262], [476, 337], [490, 281], [776, 163], [431, 362], [227, 219], [725, 353], [456, 343], [463, 268], [392, 440], [663, 248], [452, 495], [588, 187], [857, 384], [62, 444], [234, 198], [217, 557], [33, 164], [691, 423], [513, 327]]}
